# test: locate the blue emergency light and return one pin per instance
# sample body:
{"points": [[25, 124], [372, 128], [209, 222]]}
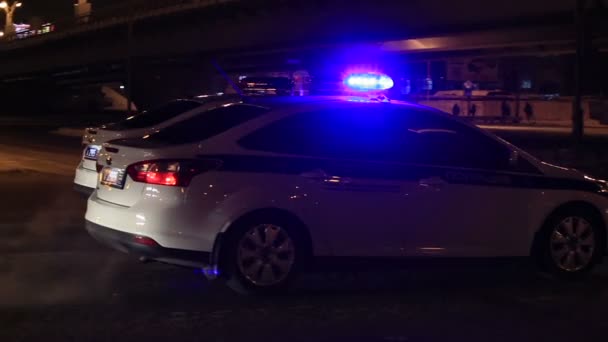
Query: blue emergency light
{"points": [[368, 82]]}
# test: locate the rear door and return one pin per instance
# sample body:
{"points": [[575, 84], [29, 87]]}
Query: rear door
{"points": [[360, 198]]}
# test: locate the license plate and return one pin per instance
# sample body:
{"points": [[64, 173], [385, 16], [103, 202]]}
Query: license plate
{"points": [[91, 152], [113, 177]]}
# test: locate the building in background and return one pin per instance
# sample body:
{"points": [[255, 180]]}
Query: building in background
{"points": [[27, 30]]}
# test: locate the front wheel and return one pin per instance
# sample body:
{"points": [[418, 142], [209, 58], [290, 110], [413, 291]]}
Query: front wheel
{"points": [[261, 257], [571, 243]]}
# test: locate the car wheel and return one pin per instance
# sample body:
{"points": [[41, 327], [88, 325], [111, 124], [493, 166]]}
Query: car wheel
{"points": [[571, 243], [262, 257]]}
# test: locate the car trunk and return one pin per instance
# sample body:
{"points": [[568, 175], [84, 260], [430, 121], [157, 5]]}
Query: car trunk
{"points": [[96, 142], [116, 158]]}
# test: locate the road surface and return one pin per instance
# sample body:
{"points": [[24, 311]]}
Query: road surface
{"points": [[58, 284]]}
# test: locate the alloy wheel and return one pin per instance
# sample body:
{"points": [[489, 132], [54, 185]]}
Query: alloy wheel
{"points": [[266, 254], [572, 244]]}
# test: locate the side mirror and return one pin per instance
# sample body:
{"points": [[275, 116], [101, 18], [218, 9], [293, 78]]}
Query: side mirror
{"points": [[513, 158]]}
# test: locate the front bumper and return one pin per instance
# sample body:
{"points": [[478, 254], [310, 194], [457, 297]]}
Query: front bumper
{"points": [[127, 243]]}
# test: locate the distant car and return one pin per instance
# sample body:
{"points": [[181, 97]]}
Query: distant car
{"points": [[85, 179], [266, 86], [255, 190]]}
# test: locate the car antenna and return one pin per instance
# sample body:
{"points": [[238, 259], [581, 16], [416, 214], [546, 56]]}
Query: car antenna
{"points": [[227, 78]]}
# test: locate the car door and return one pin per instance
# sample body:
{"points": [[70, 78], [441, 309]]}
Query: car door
{"points": [[356, 197], [361, 205], [469, 203]]}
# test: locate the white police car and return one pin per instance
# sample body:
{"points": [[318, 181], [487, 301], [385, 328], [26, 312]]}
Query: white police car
{"points": [[85, 179], [257, 189]]}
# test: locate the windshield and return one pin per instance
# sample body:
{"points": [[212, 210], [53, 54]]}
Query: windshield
{"points": [[155, 116]]}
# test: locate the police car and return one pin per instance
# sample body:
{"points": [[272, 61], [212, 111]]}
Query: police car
{"points": [[257, 189], [85, 179]]}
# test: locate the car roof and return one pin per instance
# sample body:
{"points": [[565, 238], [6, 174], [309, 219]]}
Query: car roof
{"points": [[279, 102], [291, 104]]}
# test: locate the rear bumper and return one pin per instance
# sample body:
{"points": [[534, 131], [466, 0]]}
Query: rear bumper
{"points": [[126, 243], [85, 178], [83, 190]]}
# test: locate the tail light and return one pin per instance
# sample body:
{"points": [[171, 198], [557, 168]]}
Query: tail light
{"points": [[144, 240], [170, 172]]}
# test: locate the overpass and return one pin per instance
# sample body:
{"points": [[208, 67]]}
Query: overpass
{"points": [[171, 43]]}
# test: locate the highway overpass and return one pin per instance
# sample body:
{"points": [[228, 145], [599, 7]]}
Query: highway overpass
{"points": [[174, 42]]}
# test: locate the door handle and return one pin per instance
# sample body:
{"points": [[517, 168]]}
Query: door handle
{"points": [[432, 182]]}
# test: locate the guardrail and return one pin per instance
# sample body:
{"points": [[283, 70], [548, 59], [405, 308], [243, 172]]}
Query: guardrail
{"points": [[105, 17]]}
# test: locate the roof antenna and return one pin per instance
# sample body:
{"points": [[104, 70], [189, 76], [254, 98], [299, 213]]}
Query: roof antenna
{"points": [[227, 78]]}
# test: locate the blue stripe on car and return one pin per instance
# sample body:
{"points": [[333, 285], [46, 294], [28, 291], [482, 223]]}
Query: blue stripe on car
{"points": [[396, 171]]}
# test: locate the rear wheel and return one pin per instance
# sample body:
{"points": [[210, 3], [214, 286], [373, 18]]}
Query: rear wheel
{"points": [[261, 256], [571, 243]]}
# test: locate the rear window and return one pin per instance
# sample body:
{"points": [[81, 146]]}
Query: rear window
{"points": [[155, 116], [207, 124]]}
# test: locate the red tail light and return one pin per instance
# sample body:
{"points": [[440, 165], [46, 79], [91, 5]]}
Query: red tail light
{"points": [[170, 172], [144, 240]]}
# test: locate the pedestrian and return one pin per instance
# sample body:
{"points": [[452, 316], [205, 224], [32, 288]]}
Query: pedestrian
{"points": [[456, 109], [506, 109], [472, 110], [529, 112]]}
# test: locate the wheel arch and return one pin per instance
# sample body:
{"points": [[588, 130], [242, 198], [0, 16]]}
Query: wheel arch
{"points": [[597, 214], [301, 230]]}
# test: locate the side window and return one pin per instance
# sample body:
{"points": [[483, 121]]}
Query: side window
{"points": [[348, 132], [443, 142], [381, 133]]}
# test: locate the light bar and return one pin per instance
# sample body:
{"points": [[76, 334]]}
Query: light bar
{"points": [[368, 81]]}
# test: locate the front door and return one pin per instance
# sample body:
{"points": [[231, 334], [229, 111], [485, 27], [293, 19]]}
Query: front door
{"points": [[469, 206]]}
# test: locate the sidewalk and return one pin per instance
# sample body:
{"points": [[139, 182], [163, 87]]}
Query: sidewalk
{"points": [[555, 129]]}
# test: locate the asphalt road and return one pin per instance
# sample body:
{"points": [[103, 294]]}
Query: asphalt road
{"points": [[58, 284]]}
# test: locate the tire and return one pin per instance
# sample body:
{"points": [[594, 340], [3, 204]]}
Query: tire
{"points": [[262, 255], [571, 243]]}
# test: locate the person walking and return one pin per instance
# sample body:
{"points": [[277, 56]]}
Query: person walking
{"points": [[456, 109], [472, 110], [529, 112]]}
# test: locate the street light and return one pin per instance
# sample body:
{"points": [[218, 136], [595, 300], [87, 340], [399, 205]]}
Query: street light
{"points": [[9, 9], [4, 4]]}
